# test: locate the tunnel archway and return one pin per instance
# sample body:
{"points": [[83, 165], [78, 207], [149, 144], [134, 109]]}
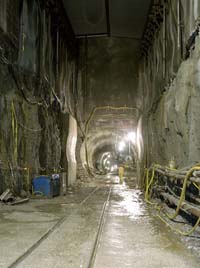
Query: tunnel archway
{"points": [[108, 130], [107, 159], [104, 154]]}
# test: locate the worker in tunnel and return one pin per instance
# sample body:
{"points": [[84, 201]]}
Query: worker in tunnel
{"points": [[121, 174]]}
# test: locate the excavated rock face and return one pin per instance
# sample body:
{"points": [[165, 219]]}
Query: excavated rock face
{"points": [[176, 121], [169, 78], [37, 91], [109, 72], [46, 76], [109, 68]]}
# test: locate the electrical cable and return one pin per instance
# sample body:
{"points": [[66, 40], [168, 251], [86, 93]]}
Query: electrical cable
{"points": [[185, 233], [43, 103], [20, 124], [3, 60], [70, 112], [194, 183], [182, 197], [11, 70]]}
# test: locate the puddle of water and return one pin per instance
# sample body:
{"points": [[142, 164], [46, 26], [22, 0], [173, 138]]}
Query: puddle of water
{"points": [[178, 243], [129, 202]]}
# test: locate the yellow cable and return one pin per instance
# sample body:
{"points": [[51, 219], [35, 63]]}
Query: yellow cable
{"points": [[197, 186], [148, 184], [182, 198], [185, 233]]}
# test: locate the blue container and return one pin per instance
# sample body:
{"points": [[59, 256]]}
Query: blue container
{"points": [[47, 185]]}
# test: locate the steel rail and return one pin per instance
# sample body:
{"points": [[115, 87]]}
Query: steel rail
{"points": [[46, 235], [99, 232]]}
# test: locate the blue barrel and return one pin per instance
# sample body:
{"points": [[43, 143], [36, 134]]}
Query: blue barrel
{"points": [[48, 186]]}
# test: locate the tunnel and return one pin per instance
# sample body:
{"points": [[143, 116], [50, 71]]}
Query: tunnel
{"points": [[111, 140], [99, 133]]}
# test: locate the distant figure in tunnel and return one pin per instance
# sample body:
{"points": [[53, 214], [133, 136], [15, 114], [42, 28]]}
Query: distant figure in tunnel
{"points": [[121, 174]]}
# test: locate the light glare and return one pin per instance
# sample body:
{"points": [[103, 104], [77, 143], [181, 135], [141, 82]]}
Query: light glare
{"points": [[131, 136], [121, 146]]}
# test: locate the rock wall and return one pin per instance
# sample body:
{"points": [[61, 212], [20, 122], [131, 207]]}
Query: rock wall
{"points": [[108, 77], [38, 74], [169, 79], [109, 72]]}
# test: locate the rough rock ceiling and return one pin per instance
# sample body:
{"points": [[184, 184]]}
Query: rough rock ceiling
{"points": [[117, 18]]}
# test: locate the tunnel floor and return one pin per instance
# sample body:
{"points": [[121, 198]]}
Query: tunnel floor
{"points": [[101, 224]]}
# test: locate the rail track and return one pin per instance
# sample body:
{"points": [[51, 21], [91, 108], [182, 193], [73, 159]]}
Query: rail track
{"points": [[100, 229], [91, 261]]}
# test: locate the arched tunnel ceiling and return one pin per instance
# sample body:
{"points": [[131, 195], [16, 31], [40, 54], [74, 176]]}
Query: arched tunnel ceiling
{"points": [[113, 18], [116, 121], [117, 18], [107, 127]]}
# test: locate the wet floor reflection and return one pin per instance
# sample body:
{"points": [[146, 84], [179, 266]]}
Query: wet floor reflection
{"points": [[134, 237], [129, 202]]}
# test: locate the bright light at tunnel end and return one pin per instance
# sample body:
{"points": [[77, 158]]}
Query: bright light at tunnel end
{"points": [[131, 136], [121, 146]]}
